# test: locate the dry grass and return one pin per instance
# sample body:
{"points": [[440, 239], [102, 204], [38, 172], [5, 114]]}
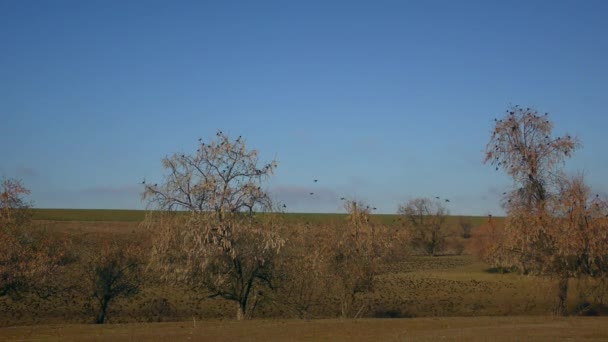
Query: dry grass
{"points": [[419, 329], [416, 287]]}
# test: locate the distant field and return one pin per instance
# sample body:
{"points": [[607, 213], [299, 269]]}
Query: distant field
{"points": [[112, 215], [108, 215], [418, 329]]}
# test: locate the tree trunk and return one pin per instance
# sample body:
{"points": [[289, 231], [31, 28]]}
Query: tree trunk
{"points": [[562, 295], [103, 308], [240, 311]]}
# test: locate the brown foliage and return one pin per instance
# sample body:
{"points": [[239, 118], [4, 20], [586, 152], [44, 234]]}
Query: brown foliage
{"points": [[427, 225], [28, 261], [487, 244], [521, 144], [220, 245], [552, 226], [355, 254]]}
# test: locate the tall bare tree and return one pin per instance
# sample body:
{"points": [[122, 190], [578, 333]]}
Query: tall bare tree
{"points": [[522, 145], [427, 223], [220, 244], [549, 225]]}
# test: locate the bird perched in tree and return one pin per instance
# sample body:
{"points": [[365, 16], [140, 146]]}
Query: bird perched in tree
{"points": [[284, 206]]}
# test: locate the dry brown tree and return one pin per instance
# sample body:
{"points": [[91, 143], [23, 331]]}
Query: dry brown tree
{"points": [[304, 270], [28, 261], [214, 223], [487, 243], [546, 209], [426, 221], [355, 252], [522, 145], [14, 209], [579, 230]]}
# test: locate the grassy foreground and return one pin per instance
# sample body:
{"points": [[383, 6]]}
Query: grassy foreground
{"points": [[418, 329]]}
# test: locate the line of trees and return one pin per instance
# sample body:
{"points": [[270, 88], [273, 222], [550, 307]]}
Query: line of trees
{"points": [[216, 229], [554, 226]]}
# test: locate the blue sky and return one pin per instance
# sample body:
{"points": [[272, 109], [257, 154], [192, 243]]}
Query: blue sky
{"points": [[381, 101]]}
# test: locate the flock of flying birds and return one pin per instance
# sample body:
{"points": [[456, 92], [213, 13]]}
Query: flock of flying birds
{"points": [[312, 194], [368, 207]]}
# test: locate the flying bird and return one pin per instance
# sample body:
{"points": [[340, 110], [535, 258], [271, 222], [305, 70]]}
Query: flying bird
{"points": [[316, 180], [342, 198], [312, 193], [284, 206], [447, 200], [437, 197]]}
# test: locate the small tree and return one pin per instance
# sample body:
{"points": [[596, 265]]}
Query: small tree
{"points": [[305, 272], [466, 227], [221, 244], [427, 223], [27, 261], [487, 243], [14, 209], [113, 272], [354, 255], [579, 231]]}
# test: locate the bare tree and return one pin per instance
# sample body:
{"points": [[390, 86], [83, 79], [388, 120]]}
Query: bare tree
{"points": [[304, 268], [579, 229], [522, 145], [14, 209], [221, 177], [27, 261], [355, 253], [427, 222], [551, 228], [115, 271], [220, 245], [488, 243]]}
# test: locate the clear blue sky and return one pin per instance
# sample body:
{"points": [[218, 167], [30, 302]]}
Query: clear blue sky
{"points": [[379, 100]]}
